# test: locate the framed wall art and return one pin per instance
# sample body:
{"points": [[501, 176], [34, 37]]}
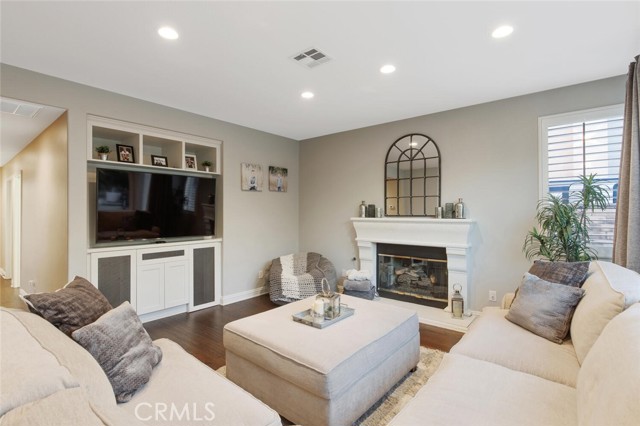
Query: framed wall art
{"points": [[159, 160], [190, 162], [278, 179], [251, 177], [125, 153]]}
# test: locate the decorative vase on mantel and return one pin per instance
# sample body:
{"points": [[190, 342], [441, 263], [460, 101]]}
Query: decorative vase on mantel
{"points": [[206, 168], [104, 157]]}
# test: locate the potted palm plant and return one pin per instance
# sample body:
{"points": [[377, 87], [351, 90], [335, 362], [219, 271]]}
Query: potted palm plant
{"points": [[103, 151], [563, 232]]}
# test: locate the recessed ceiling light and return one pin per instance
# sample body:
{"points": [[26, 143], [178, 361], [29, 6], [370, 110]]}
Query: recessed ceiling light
{"points": [[502, 31], [168, 33], [307, 95], [387, 69]]}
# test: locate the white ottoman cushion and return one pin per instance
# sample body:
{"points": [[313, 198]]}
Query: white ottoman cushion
{"points": [[323, 361], [323, 377]]}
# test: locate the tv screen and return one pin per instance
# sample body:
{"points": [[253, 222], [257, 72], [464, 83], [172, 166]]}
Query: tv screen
{"points": [[133, 205]]}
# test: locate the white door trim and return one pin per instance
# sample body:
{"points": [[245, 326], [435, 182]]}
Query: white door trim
{"points": [[12, 228]]}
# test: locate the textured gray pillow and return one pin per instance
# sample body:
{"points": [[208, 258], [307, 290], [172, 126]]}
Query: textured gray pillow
{"points": [[75, 305], [568, 273], [123, 349], [544, 308]]}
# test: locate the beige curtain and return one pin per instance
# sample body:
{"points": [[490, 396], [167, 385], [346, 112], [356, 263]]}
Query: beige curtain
{"points": [[626, 237]]}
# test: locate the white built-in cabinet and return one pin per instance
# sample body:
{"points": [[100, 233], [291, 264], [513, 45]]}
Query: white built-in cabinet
{"points": [[157, 279], [161, 280]]}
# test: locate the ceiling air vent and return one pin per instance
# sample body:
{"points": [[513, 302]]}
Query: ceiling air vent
{"points": [[19, 108], [310, 58]]}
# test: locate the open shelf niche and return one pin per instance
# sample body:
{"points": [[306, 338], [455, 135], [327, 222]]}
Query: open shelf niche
{"points": [[147, 141]]}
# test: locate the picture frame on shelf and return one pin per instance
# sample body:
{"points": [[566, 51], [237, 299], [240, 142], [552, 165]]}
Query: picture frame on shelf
{"points": [[125, 153], [278, 179], [159, 160], [190, 162], [251, 177]]}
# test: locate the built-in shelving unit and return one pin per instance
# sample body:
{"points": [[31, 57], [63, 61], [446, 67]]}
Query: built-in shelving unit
{"points": [[147, 141], [158, 280]]}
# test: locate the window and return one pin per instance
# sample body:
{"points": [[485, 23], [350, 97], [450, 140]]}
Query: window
{"points": [[582, 143]]}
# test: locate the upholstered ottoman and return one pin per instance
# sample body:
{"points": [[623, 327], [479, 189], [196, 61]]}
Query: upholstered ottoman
{"points": [[327, 376]]}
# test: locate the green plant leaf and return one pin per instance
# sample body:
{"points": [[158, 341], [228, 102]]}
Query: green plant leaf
{"points": [[564, 226]]}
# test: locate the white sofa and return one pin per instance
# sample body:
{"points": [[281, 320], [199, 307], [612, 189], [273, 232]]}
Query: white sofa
{"points": [[502, 374], [48, 379]]}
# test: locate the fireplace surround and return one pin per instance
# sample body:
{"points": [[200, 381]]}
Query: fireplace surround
{"points": [[452, 235]]}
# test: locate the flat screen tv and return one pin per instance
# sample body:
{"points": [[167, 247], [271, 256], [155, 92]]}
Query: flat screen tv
{"points": [[136, 205]]}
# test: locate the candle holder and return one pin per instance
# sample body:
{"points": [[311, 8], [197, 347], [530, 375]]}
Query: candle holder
{"points": [[330, 301], [457, 302]]}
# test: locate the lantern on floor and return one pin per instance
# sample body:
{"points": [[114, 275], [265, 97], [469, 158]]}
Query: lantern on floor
{"points": [[457, 302], [331, 301]]}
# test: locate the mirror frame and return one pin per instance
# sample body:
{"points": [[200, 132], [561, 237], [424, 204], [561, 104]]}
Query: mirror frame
{"points": [[409, 155]]}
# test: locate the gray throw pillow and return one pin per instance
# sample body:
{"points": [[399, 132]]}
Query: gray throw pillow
{"points": [[567, 273], [75, 305], [122, 347], [544, 308]]}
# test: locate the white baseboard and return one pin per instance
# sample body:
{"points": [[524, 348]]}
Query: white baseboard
{"points": [[152, 316], [244, 295]]}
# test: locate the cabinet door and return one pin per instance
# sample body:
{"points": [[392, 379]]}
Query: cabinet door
{"points": [[204, 290], [150, 288], [114, 275], [176, 279], [206, 276]]}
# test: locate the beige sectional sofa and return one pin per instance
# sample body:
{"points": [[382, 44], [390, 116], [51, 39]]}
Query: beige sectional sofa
{"points": [[498, 374], [502, 374], [47, 378]]}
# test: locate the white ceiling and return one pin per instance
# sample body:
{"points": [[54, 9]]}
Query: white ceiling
{"points": [[232, 63], [17, 131]]}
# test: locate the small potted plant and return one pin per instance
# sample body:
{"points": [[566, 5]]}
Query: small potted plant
{"points": [[103, 151], [206, 164]]}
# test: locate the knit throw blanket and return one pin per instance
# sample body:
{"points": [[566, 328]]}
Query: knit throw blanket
{"points": [[295, 277]]}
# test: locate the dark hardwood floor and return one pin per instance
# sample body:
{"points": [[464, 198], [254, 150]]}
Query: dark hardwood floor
{"points": [[200, 333]]}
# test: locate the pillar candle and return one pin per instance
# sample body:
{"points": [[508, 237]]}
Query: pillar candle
{"points": [[318, 307]]}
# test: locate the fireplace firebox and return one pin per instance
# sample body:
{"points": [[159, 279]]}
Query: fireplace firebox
{"points": [[415, 274]]}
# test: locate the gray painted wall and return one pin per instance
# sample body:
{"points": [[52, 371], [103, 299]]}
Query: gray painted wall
{"points": [[489, 158], [256, 226]]}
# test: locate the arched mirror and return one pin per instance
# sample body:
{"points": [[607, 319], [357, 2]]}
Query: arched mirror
{"points": [[412, 177]]}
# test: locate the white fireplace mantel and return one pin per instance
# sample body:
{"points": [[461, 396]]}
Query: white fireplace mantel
{"points": [[452, 234]]}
